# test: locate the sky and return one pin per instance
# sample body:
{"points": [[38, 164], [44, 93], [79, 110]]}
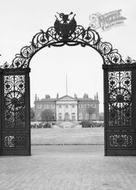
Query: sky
{"points": [[21, 19]]}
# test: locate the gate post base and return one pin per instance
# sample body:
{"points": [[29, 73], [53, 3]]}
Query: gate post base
{"points": [[113, 152]]}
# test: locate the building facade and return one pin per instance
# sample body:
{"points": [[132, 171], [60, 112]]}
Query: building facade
{"points": [[67, 108]]}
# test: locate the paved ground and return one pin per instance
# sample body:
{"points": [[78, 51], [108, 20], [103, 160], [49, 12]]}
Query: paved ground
{"points": [[58, 167]]}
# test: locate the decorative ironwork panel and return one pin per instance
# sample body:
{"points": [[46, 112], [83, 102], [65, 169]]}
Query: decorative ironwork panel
{"points": [[120, 140], [14, 141], [119, 109], [14, 101], [120, 98], [9, 141], [16, 112]]}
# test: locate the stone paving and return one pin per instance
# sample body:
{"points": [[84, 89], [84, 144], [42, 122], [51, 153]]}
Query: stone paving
{"points": [[68, 167]]}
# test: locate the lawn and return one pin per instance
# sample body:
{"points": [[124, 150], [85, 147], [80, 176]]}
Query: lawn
{"points": [[67, 136]]}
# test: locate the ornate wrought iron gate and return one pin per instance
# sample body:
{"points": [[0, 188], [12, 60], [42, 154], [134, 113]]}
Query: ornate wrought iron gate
{"points": [[15, 112], [119, 90], [120, 109]]}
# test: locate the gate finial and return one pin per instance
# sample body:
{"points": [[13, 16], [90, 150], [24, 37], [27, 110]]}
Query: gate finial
{"points": [[65, 17], [64, 26]]}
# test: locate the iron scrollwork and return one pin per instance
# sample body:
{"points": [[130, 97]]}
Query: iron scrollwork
{"points": [[9, 141], [120, 98], [66, 31], [14, 141], [120, 140], [14, 101]]}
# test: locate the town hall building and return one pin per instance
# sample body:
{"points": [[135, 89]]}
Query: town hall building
{"points": [[67, 108]]}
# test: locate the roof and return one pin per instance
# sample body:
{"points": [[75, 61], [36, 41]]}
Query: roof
{"points": [[46, 100], [66, 98]]}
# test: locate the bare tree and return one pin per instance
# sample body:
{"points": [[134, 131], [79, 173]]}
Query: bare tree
{"points": [[90, 110], [32, 114]]}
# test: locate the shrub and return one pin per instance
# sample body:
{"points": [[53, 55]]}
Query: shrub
{"points": [[47, 125], [90, 124], [85, 124]]}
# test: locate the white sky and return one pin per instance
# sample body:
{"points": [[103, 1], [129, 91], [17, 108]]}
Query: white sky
{"points": [[21, 19]]}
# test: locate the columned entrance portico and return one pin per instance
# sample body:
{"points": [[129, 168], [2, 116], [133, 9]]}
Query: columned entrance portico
{"points": [[66, 108], [67, 117]]}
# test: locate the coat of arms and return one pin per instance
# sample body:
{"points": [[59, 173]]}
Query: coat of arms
{"points": [[64, 26]]}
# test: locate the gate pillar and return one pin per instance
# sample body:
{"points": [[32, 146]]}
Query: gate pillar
{"points": [[1, 90], [120, 109], [15, 112]]}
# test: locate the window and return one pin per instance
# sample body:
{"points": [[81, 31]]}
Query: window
{"points": [[59, 106], [73, 106], [60, 116], [66, 106]]}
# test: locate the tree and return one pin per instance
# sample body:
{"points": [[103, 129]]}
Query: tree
{"points": [[47, 115], [90, 110], [32, 114]]}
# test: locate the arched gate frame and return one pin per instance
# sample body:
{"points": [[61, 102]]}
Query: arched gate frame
{"points": [[119, 90]]}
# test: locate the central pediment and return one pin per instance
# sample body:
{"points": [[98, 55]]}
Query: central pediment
{"points": [[66, 98]]}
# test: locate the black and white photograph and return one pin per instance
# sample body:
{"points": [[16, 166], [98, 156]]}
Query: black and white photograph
{"points": [[67, 95]]}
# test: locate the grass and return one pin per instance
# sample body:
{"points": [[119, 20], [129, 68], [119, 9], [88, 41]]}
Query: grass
{"points": [[67, 136]]}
